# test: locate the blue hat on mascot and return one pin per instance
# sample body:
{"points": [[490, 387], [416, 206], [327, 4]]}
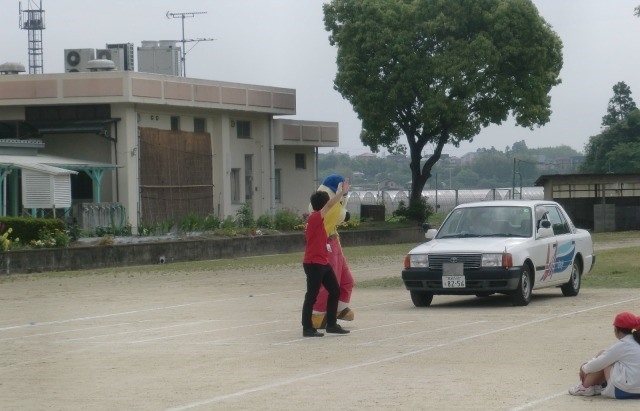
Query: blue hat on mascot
{"points": [[332, 181]]}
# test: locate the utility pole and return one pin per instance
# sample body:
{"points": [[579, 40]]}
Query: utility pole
{"points": [[184, 52]]}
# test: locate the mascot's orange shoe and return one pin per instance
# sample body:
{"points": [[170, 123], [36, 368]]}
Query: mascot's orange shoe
{"points": [[319, 321], [346, 315]]}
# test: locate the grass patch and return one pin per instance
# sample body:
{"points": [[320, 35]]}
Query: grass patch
{"points": [[384, 282], [615, 268], [615, 236]]}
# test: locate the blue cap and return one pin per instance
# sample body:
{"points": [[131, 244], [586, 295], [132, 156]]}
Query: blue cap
{"points": [[332, 181]]}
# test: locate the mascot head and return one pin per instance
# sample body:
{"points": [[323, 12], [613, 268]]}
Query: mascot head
{"points": [[331, 182], [338, 213]]}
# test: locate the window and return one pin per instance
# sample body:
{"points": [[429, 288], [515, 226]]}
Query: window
{"points": [[301, 161], [243, 129], [199, 125], [235, 185], [175, 123], [248, 177], [277, 179], [558, 222]]}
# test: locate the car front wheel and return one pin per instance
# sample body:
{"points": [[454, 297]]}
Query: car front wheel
{"points": [[421, 298], [572, 288], [522, 295]]}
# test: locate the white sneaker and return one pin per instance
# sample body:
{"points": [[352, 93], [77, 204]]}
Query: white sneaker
{"points": [[585, 391]]}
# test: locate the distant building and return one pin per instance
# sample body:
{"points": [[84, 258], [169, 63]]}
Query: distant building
{"points": [[601, 202]]}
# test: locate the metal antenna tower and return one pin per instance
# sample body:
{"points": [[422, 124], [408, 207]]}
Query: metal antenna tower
{"points": [[184, 41], [32, 20]]}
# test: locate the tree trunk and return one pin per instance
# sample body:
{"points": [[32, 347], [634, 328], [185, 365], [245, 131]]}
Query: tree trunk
{"points": [[420, 175]]}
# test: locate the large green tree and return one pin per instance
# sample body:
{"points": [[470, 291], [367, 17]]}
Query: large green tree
{"points": [[620, 105], [438, 71], [616, 149]]}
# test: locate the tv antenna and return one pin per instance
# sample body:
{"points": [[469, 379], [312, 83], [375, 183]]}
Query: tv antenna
{"points": [[185, 41]]}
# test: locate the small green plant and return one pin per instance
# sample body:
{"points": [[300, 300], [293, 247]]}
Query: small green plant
{"points": [[287, 220], [74, 231], [145, 229], [417, 211], [165, 226], [227, 227], [211, 222], [5, 242], [265, 221], [191, 222], [51, 239], [244, 217]]}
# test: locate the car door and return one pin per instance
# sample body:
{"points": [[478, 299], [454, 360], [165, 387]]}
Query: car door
{"points": [[544, 249], [565, 247]]}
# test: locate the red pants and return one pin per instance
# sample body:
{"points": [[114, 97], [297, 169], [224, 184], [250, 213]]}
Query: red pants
{"points": [[343, 275]]}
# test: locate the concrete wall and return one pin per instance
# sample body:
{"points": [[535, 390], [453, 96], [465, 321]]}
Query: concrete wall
{"points": [[94, 257]]}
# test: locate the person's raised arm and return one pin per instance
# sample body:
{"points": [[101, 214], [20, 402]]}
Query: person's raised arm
{"points": [[342, 189]]}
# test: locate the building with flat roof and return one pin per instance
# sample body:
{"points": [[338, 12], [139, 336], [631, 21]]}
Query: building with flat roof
{"points": [[159, 146]]}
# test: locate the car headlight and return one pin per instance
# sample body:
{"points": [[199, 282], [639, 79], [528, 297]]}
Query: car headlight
{"points": [[504, 260], [419, 260], [492, 260]]}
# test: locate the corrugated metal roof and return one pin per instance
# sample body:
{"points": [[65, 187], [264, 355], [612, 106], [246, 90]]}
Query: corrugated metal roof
{"points": [[51, 164]]}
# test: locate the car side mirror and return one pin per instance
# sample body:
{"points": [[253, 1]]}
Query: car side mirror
{"points": [[544, 232], [430, 234]]}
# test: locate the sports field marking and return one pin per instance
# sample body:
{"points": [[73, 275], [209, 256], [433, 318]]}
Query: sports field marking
{"points": [[73, 330], [358, 330], [423, 332], [168, 307], [166, 337], [166, 327], [95, 317], [282, 383], [539, 401]]}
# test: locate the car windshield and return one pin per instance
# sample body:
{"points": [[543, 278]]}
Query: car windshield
{"points": [[488, 221]]}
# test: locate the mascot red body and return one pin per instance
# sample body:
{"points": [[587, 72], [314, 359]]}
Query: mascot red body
{"points": [[334, 217]]}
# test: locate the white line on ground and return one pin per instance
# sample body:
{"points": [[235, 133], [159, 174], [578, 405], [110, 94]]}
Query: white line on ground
{"points": [[285, 382], [168, 307], [203, 332], [137, 331], [423, 332], [538, 401]]}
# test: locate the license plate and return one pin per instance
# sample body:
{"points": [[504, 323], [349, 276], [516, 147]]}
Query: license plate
{"points": [[453, 281], [453, 275]]}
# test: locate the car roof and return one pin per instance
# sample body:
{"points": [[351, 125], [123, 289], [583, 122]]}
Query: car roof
{"points": [[507, 203]]}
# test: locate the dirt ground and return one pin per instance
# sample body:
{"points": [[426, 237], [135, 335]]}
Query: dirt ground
{"points": [[231, 340]]}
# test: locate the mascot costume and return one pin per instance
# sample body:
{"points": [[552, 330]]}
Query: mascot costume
{"points": [[334, 217]]}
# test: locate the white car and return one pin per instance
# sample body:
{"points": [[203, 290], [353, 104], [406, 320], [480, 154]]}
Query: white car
{"points": [[510, 247]]}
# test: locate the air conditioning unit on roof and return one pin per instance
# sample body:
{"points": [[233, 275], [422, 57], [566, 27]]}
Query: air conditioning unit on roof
{"points": [[75, 60]]}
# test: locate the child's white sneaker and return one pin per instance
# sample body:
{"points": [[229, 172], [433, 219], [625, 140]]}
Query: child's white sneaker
{"points": [[585, 391]]}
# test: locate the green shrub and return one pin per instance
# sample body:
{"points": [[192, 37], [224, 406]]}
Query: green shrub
{"points": [[211, 222], [287, 220], [265, 221], [50, 239], [418, 211], [27, 228], [191, 222], [244, 217]]}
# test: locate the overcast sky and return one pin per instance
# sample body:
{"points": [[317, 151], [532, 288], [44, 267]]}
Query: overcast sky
{"points": [[283, 43]]}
